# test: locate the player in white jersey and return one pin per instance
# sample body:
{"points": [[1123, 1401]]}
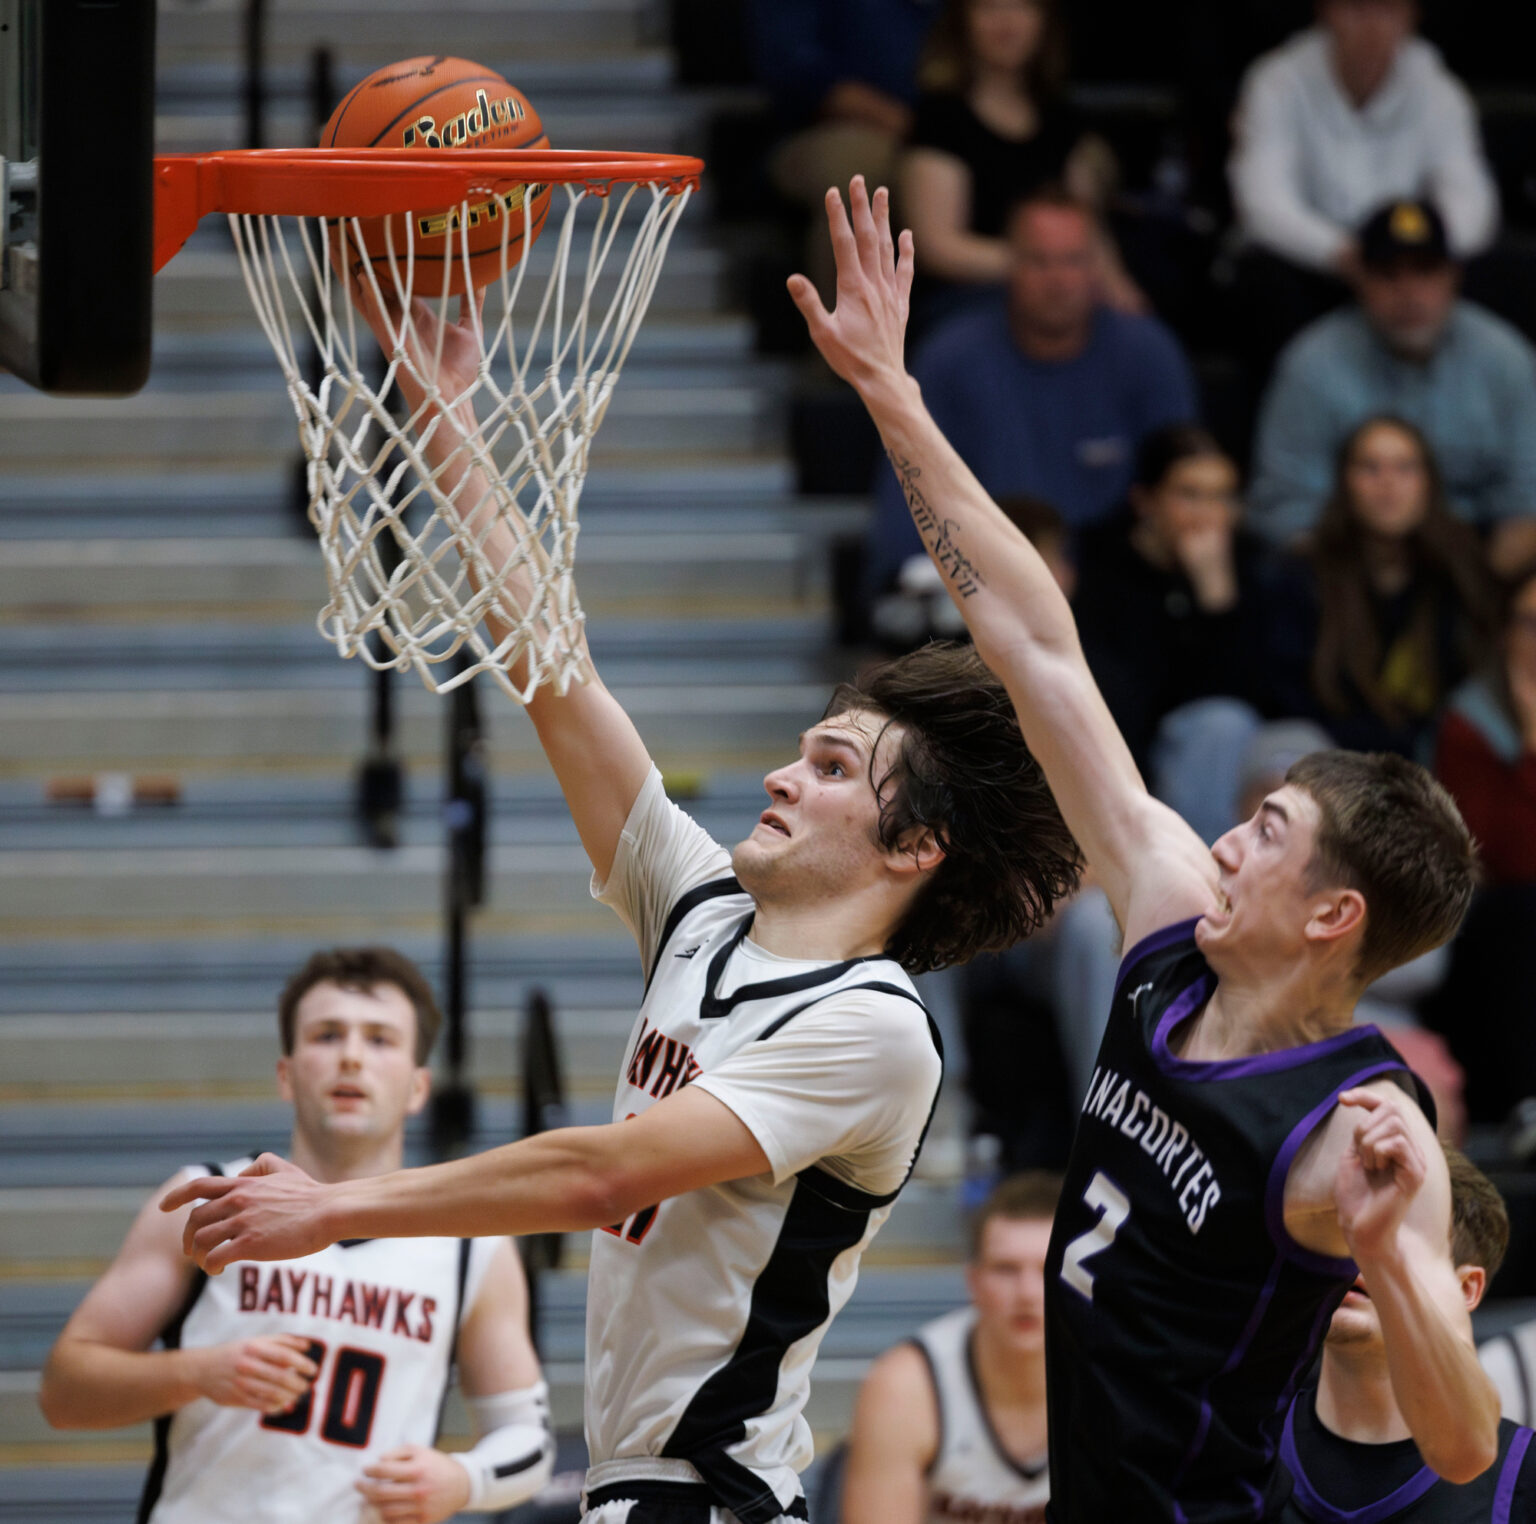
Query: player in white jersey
{"points": [[781, 1072], [950, 1425], [312, 1388]]}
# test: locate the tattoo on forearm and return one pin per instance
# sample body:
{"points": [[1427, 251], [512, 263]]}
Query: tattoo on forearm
{"points": [[937, 534]]}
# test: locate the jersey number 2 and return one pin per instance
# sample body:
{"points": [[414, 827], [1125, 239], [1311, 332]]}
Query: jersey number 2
{"points": [[1109, 1201]]}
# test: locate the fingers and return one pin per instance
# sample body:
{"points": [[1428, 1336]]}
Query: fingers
{"points": [[845, 248], [1367, 1100], [866, 235], [204, 1188]]}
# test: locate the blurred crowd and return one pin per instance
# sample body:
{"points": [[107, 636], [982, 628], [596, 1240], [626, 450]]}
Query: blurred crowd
{"points": [[1328, 538]]}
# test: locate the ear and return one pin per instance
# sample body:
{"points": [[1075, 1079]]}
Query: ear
{"points": [[285, 1078], [917, 850], [1474, 1282], [421, 1088], [1339, 915]]}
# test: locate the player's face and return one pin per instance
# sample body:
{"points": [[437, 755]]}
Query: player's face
{"points": [[1267, 894], [1004, 34], [352, 1074], [817, 837], [1007, 1282]]}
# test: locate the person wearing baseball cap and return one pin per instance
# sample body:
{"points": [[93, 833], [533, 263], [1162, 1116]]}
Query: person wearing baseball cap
{"points": [[1410, 346]]}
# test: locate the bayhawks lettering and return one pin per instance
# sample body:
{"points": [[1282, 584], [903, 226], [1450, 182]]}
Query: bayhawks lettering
{"points": [[1167, 1143], [272, 1288], [672, 1061]]}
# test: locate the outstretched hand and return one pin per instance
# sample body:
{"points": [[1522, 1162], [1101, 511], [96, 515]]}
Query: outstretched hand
{"points": [[273, 1210], [864, 335], [1379, 1174]]}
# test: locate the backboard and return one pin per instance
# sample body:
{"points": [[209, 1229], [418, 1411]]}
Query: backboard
{"points": [[77, 124]]}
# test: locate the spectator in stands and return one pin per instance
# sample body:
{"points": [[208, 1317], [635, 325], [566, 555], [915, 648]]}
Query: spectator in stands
{"points": [[1168, 599], [951, 1424], [1487, 758], [1350, 113], [990, 128], [1410, 347], [843, 74], [1044, 390], [1391, 606]]}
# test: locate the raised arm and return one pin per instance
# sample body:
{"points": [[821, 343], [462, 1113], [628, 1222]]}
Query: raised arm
{"points": [[592, 745], [1153, 867], [101, 1372], [1372, 1184]]}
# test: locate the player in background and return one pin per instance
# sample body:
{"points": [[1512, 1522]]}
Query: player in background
{"points": [[1243, 1151], [1346, 1444], [781, 1071], [312, 1389], [950, 1425]]}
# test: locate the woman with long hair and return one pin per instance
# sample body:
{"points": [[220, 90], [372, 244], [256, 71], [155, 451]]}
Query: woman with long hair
{"points": [[1403, 605], [990, 127]]}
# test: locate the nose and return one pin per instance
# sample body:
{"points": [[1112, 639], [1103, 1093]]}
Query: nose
{"points": [[1226, 851], [782, 783], [352, 1050]]}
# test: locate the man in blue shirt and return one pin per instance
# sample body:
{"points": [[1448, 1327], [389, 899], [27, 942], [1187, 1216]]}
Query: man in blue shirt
{"points": [[1048, 392], [1409, 347]]}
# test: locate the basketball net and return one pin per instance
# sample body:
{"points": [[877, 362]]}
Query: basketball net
{"points": [[464, 565]]}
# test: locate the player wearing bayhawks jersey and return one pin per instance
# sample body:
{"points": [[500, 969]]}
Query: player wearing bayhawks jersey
{"points": [[1242, 1150], [312, 1388], [950, 1426], [1346, 1446], [779, 1078]]}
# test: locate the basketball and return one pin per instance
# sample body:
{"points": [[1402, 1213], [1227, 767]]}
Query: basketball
{"points": [[447, 103]]}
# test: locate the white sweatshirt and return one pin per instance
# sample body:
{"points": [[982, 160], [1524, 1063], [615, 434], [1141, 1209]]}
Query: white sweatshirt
{"points": [[1309, 167]]}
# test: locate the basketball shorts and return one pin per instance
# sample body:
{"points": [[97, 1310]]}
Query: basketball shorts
{"points": [[651, 1502]]}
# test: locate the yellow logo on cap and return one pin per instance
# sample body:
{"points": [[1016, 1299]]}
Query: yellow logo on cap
{"points": [[1409, 224]]}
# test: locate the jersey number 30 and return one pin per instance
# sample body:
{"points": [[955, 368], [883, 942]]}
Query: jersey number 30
{"points": [[347, 1419], [1109, 1201]]}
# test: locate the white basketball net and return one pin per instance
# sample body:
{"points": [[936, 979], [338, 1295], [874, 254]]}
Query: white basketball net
{"points": [[415, 578]]}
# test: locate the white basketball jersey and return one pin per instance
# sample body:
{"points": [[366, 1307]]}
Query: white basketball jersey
{"points": [[973, 1478], [381, 1315], [704, 1313]]}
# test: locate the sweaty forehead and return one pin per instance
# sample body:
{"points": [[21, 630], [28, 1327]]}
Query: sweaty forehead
{"points": [[384, 1004], [867, 729]]}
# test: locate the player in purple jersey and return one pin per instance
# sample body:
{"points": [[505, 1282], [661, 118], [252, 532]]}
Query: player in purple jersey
{"points": [[1346, 1446], [1243, 1152]]}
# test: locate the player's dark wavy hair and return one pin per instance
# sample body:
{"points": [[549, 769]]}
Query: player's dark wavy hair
{"points": [[964, 772], [361, 968]]}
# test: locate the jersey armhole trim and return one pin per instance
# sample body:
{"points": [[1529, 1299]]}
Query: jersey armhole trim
{"points": [[1274, 1191], [715, 888], [1509, 1477], [938, 1402], [1323, 1512], [1156, 941]]}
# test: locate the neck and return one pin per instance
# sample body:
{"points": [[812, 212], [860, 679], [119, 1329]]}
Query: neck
{"points": [[1355, 1401], [1008, 1380], [1360, 79], [1388, 563], [347, 1159], [828, 933], [1265, 1015], [1051, 345]]}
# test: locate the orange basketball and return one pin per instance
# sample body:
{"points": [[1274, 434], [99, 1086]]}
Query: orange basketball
{"points": [[443, 103]]}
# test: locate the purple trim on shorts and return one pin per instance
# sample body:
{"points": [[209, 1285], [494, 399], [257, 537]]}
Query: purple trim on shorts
{"points": [[1372, 1513], [1509, 1477], [1239, 1350], [1236, 1068], [1274, 1191], [1180, 931]]}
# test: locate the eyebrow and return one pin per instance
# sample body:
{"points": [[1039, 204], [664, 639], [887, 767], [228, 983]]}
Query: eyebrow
{"points": [[1275, 809], [849, 738]]}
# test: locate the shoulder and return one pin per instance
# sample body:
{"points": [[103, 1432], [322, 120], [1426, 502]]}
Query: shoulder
{"points": [[958, 344], [1288, 67], [1321, 345], [1492, 338], [899, 1390]]}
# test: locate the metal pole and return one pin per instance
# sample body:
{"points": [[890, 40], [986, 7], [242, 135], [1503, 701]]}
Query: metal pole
{"points": [[255, 73]]}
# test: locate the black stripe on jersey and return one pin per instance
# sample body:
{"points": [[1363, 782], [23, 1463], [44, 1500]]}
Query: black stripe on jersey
{"points": [[170, 1337], [458, 1323], [714, 1006], [938, 1403], [877, 984], [789, 1300], [716, 888]]}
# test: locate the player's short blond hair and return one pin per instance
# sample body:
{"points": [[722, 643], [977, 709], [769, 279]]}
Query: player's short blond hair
{"points": [[1032, 1195]]}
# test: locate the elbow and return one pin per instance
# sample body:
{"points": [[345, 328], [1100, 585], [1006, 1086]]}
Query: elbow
{"points": [[53, 1402], [1462, 1458]]}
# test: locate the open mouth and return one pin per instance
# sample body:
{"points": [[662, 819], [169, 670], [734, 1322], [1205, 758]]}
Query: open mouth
{"points": [[348, 1093], [773, 823]]}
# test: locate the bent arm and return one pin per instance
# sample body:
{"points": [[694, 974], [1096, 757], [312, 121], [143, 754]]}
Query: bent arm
{"points": [[893, 1442], [936, 187], [1152, 866], [569, 1180], [101, 1372]]}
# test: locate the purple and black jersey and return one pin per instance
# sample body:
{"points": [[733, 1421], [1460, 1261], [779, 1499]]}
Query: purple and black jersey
{"points": [[1339, 1482], [1181, 1317]]}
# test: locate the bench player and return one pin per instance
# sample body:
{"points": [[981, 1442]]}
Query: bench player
{"points": [[1242, 1150], [312, 1389], [781, 1072], [950, 1425], [1346, 1445]]}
